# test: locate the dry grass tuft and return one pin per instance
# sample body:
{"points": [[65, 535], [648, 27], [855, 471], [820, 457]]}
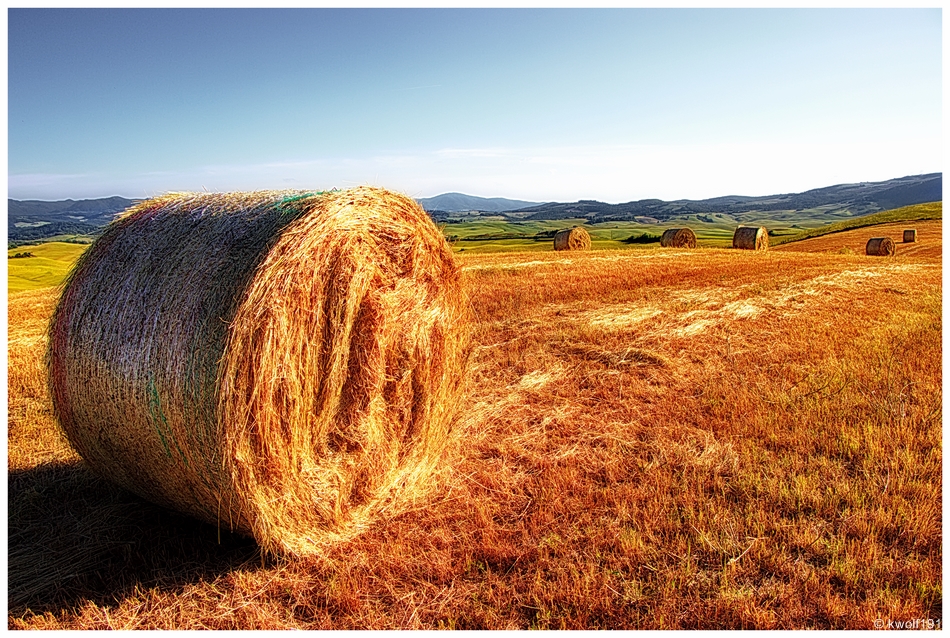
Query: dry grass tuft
{"points": [[614, 359], [282, 364], [751, 238], [678, 238], [572, 239], [880, 246]]}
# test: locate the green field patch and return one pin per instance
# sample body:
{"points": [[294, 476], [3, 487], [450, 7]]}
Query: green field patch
{"points": [[713, 230], [494, 235], [48, 267]]}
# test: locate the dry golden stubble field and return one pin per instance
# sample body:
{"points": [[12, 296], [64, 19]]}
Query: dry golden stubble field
{"points": [[653, 439]]}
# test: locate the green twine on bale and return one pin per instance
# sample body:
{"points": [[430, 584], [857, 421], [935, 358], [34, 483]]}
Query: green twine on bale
{"points": [[290, 199], [159, 422]]}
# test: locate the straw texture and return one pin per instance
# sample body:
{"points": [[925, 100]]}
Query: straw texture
{"points": [[572, 239], [678, 238], [282, 363], [880, 246], [751, 238], [910, 236]]}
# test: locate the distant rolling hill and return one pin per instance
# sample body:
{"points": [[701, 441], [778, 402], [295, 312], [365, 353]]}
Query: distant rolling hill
{"points": [[29, 220], [458, 202], [840, 200]]}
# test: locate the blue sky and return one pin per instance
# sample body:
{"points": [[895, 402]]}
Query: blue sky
{"points": [[554, 104]]}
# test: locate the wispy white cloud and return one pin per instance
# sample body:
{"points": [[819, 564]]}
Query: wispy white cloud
{"points": [[611, 173], [454, 153], [618, 173]]}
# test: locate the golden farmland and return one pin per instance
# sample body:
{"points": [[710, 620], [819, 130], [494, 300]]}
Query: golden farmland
{"points": [[655, 438]]}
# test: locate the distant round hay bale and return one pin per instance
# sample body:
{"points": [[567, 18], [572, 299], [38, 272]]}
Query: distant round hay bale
{"points": [[751, 238], [283, 364], [572, 239], [910, 236], [880, 246], [678, 238]]}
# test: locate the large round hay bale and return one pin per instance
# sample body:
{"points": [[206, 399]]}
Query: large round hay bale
{"points": [[880, 246], [910, 236], [572, 239], [283, 364], [678, 238], [751, 238]]}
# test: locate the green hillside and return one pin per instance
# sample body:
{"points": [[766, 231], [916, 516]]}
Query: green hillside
{"points": [[48, 266]]}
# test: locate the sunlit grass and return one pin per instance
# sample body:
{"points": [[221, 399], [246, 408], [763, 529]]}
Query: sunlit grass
{"points": [[48, 266]]}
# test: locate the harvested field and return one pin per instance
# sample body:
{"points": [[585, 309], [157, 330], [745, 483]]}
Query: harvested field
{"points": [[928, 244], [727, 439]]}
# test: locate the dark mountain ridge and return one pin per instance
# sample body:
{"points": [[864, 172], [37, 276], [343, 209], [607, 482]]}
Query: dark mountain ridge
{"points": [[34, 219], [459, 202], [859, 199], [39, 209]]}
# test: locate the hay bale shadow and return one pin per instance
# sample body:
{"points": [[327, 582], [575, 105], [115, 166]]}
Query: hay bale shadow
{"points": [[74, 537]]}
